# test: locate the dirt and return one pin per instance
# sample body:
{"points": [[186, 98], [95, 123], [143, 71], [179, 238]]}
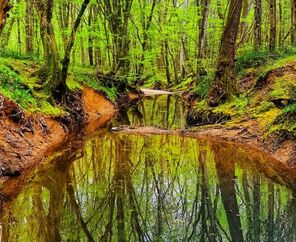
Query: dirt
{"points": [[244, 134], [27, 139]]}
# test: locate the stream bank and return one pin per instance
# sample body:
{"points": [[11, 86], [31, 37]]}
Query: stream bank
{"points": [[26, 139]]}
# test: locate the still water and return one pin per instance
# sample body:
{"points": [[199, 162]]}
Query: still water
{"points": [[124, 187]]}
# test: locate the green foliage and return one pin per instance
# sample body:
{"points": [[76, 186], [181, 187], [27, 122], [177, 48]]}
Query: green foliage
{"points": [[17, 55], [251, 58], [96, 84], [204, 84], [15, 87], [290, 109]]}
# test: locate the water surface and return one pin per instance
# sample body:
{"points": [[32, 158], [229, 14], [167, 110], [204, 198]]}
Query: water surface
{"points": [[123, 187]]}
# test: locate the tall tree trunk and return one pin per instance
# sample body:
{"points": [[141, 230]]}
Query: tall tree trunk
{"points": [[183, 52], [66, 60], [257, 25], [203, 30], [5, 6], [293, 22], [146, 26], [247, 4], [50, 73], [29, 26], [272, 22], [90, 38], [224, 83]]}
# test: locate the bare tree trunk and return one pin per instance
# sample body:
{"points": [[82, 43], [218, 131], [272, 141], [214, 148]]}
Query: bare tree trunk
{"points": [[224, 83], [203, 30], [293, 22], [247, 4], [272, 22], [257, 25], [29, 26], [281, 34], [146, 26], [90, 38], [183, 52]]}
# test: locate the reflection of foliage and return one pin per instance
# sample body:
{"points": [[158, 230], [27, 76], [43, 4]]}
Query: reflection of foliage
{"points": [[160, 188]]}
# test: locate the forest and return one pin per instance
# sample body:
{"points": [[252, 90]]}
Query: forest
{"points": [[147, 120]]}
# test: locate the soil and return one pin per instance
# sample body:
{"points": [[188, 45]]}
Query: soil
{"points": [[245, 134], [27, 139]]}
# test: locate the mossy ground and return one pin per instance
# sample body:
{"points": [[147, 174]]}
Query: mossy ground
{"points": [[17, 84], [258, 105]]}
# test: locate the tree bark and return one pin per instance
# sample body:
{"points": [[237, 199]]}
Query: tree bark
{"points": [[224, 82], [257, 25], [29, 26], [5, 6], [203, 30], [293, 22], [50, 74], [272, 22], [66, 60]]}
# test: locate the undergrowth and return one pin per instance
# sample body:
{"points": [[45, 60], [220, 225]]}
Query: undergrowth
{"points": [[16, 88]]}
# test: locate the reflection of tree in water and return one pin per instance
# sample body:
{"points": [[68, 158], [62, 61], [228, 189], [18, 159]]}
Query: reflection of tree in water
{"points": [[161, 188]]}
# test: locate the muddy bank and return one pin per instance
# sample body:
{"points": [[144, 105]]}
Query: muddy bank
{"points": [[242, 135], [27, 139]]}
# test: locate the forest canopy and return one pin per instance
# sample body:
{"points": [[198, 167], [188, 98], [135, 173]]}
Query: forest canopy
{"points": [[149, 42]]}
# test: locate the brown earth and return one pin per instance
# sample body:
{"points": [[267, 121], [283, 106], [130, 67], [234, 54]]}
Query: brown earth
{"points": [[27, 139]]}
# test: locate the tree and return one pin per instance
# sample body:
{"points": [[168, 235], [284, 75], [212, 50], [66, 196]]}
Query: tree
{"points": [[5, 6], [293, 22], [257, 25], [272, 20], [224, 82], [53, 77], [29, 26], [117, 14]]}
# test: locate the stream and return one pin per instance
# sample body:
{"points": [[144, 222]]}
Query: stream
{"points": [[128, 187]]}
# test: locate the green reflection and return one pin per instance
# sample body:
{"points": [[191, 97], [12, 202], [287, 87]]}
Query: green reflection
{"points": [[151, 188]]}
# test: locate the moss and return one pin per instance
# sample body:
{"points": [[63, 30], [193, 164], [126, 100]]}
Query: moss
{"points": [[18, 88], [282, 87], [73, 84], [93, 82]]}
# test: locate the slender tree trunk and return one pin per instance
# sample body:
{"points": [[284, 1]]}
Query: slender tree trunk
{"points": [[146, 26], [183, 52], [257, 25], [293, 22], [281, 34], [247, 4], [29, 26], [203, 30], [66, 60], [272, 22], [224, 83], [90, 38]]}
